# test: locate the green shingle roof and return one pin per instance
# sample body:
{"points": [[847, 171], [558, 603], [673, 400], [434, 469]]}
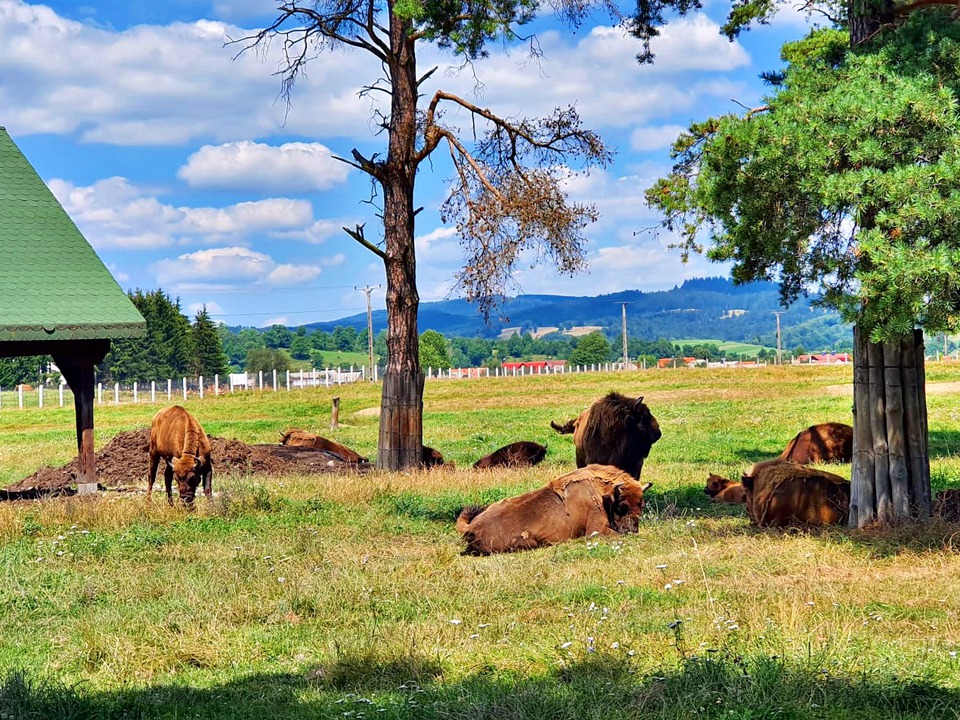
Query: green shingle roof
{"points": [[52, 284]]}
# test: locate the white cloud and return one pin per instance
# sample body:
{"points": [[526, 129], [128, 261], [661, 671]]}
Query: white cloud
{"points": [[113, 213], [231, 265], [654, 137], [213, 308], [245, 165]]}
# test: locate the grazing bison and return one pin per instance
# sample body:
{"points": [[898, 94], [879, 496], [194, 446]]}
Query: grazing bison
{"points": [[595, 499], [176, 436], [824, 443], [519, 454], [302, 438], [723, 490], [781, 493], [614, 430]]}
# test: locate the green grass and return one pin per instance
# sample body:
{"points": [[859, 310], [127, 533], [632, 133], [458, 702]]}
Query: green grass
{"points": [[732, 349], [347, 596]]}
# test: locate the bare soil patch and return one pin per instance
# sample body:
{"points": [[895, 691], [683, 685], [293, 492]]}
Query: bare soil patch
{"points": [[123, 464]]}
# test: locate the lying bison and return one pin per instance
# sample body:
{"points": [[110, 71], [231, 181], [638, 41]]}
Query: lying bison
{"points": [[595, 499], [430, 458], [824, 443], [781, 493], [176, 436], [519, 454], [302, 438], [724, 490], [614, 430]]}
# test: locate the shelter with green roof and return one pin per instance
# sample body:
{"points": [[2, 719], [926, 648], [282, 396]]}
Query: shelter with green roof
{"points": [[56, 296]]}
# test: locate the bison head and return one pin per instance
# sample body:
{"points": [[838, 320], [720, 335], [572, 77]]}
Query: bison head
{"points": [[186, 471], [624, 504], [647, 426], [716, 485]]}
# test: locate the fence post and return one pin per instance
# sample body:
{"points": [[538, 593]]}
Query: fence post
{"points": [[135, 394], [20, 395], [183, 381], [231, 383], [153, 391], [200, 381], [376, 371], [288, 381], [40, 394], [274, 379], [116, 393], [259, 379], [326, 377], [216, 383], [61, 392], [301, 379], [99, 393], [313, 380], [169, 389]]}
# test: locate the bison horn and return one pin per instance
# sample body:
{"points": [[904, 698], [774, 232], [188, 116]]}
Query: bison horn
{"points": [[646, 486]]}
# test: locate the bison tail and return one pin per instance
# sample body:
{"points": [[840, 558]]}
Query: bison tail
{"points": [[565, 429], [466, 517]]}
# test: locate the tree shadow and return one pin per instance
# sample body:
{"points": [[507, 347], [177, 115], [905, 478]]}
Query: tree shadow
{"points": [[601, 687], [944, 443]]}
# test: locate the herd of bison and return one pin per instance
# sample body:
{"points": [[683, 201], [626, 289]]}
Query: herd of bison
{"points": [[612, 438]]}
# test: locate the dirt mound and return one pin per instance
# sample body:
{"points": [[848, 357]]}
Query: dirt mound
{"points": [[123, 463]]}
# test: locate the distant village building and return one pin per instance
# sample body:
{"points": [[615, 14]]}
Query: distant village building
{"points": [[824, 359]]}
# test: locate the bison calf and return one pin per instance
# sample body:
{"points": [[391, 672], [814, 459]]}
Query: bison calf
{"points": [[595, 499], [724, 490], [519, 454], [824, 443], [780, 493], [177, 437]]}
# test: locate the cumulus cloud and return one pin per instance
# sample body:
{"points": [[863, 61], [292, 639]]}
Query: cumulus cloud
{"points": [[231, 265], [245, 165], [114, 213], [169, 84]]}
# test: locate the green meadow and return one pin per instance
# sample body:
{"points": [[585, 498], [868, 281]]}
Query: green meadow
{"points": [[346, 596]]}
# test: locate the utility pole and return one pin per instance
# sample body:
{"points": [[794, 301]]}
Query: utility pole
{"points": [[626, 358], [779, 356], [367, 289]]}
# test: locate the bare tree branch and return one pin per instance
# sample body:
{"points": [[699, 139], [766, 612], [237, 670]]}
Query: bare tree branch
{"points": [[357, 235]]}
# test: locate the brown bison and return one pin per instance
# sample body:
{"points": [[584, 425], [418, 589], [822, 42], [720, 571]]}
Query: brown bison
{"points": [[614, 430], [176, 436], [781, 493], [724, 490], [595, 499], [302, 438], [947, 505], [824, 443], [519, 454], [430, 458]]}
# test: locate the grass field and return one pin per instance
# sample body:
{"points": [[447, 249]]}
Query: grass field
{"points": [[347, 597]]}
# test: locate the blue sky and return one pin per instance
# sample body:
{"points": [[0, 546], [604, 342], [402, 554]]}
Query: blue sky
{"points": [[186, 172]]}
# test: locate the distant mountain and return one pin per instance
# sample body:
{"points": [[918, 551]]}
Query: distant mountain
{"points": [[700, 308]]}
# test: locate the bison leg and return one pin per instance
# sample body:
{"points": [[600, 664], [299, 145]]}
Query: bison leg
{"points": [[208, 480], [152, 475], [168, 481]]}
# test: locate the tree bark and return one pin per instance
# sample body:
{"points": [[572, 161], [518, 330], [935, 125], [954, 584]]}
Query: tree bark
{"points": [[890, 479], [401, 416]]}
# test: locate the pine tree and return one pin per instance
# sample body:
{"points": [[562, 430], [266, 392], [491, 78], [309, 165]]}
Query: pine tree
{"points": [[209, 359]]}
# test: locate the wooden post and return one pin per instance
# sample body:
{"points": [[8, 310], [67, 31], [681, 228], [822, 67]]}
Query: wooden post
{"points": [[862, 489], [335, 413], [878, 433], [896, 442]]}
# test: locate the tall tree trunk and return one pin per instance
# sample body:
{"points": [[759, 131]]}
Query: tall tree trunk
{"points": [[891, 464], [401, 411]]}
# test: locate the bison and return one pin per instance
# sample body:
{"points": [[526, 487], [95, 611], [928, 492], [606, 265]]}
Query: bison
{"points": [[177, 437], [824, 443], [595, 499], [431, 458], [302, 438], [519, 454], [724, 490], [615, 430], [781, 493]]}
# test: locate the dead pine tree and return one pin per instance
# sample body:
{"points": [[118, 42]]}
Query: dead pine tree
{"points": [[506, 194]]}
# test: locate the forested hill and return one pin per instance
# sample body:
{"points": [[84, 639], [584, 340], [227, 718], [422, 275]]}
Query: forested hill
{"points": [[701, 308]]}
